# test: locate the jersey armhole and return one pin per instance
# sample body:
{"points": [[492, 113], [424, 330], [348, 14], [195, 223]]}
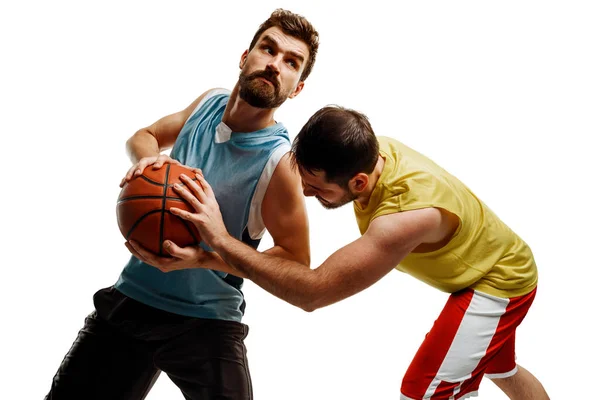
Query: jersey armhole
{"points": [[210, 94], [256, 226]]}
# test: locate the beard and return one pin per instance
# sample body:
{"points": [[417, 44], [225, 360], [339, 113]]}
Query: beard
{"points": [[258, 93], [347, 198]]}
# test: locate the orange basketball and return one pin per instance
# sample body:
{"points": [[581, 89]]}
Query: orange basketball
{"points": [[143, 209]]}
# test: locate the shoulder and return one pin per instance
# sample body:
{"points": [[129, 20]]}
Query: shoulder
{"points": [[216, 93], [285, 187], [201, 100], [284, 174]]}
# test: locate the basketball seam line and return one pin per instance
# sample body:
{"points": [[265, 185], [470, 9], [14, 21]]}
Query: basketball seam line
{"points": [[162, 215], [162, 210], [130, 198], [144, 177], [139, 220]]}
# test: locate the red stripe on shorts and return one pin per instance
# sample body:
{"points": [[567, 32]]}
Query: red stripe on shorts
{"points": [[430, 361]]}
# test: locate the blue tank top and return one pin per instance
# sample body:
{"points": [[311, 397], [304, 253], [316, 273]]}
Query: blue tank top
{"points": [[238, 166]]}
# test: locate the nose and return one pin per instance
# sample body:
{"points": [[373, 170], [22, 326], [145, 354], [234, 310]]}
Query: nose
{"points": [[274, 64], [308, 191]]}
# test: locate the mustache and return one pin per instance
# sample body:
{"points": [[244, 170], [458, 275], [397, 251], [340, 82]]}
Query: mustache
{"points": [[265, 74]]}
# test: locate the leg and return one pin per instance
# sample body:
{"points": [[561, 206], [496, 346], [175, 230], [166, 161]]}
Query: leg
{"points": [[104, 362], [209, 361], [449, 354], [522, 386], [473, 335]]}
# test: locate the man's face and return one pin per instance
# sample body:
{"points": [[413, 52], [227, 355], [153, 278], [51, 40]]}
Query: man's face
{"points": [[271, 70], [330, 195]]}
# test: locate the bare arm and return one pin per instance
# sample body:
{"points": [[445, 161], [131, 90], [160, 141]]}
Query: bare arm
{"points": [[284, 216], [348, 271], [144, 147], [159, 136]]}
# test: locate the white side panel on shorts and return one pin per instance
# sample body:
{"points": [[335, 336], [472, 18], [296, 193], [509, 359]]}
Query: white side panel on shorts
{"points": [[473, 337]]}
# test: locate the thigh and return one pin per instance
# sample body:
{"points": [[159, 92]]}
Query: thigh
{"points": [[472, 329], [209, 361], [500, 359], [103, 364], [504, 363]]}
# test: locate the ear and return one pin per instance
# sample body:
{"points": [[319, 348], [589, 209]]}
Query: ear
{"points": [[358, 183], [243, 59], [297, 91]]}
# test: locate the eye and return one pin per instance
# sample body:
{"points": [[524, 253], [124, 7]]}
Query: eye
{"points": [[292, 63], [267, 49]]}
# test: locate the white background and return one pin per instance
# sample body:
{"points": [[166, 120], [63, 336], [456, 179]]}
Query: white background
{"points": [[504, 95]]}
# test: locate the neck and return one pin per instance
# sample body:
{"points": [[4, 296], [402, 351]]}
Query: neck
{"points": [[241, 117], [365, 196]]}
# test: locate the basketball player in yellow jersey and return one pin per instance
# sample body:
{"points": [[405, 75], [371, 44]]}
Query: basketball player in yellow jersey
{"points": [[415, 217]]}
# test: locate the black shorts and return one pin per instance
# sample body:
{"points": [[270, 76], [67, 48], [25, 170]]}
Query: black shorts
{"points": [[124, 345]]}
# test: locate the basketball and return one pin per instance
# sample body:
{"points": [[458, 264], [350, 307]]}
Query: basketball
{"points": [[143, 209]]}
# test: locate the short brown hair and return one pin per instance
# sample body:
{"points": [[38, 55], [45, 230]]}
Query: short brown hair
{"points": [[338, 141], [294, 25]]}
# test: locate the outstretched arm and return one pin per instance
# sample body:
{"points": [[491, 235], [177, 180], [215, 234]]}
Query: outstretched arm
{"points": [[348, 271]]}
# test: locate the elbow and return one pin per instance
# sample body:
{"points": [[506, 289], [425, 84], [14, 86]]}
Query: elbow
{"points": [[317, 294], [140, 133], [143, 137], [311, 303], [130, 146], [308, 308]]}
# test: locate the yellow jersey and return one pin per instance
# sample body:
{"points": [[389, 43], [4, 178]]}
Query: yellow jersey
{"points": [[483, 254]]}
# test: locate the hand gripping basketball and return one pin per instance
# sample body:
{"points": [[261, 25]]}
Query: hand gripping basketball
{"points": [[143, 209]]}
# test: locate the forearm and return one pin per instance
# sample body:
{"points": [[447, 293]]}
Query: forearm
{"points": [[142, 144], [214, 261], [289, 280]]}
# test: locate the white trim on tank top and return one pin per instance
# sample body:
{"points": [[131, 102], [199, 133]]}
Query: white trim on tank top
{"points": [[210, 94], [256, 225]]}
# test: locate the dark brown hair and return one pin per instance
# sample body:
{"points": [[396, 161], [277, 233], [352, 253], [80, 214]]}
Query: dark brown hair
{"points": [[296, 26], [337, 141]]}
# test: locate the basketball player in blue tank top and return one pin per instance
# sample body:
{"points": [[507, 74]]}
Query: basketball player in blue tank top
{"points": [[187, 322]]}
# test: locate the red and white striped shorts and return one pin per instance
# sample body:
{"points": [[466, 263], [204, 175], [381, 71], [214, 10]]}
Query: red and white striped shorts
{"points": [[473, 336]]}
